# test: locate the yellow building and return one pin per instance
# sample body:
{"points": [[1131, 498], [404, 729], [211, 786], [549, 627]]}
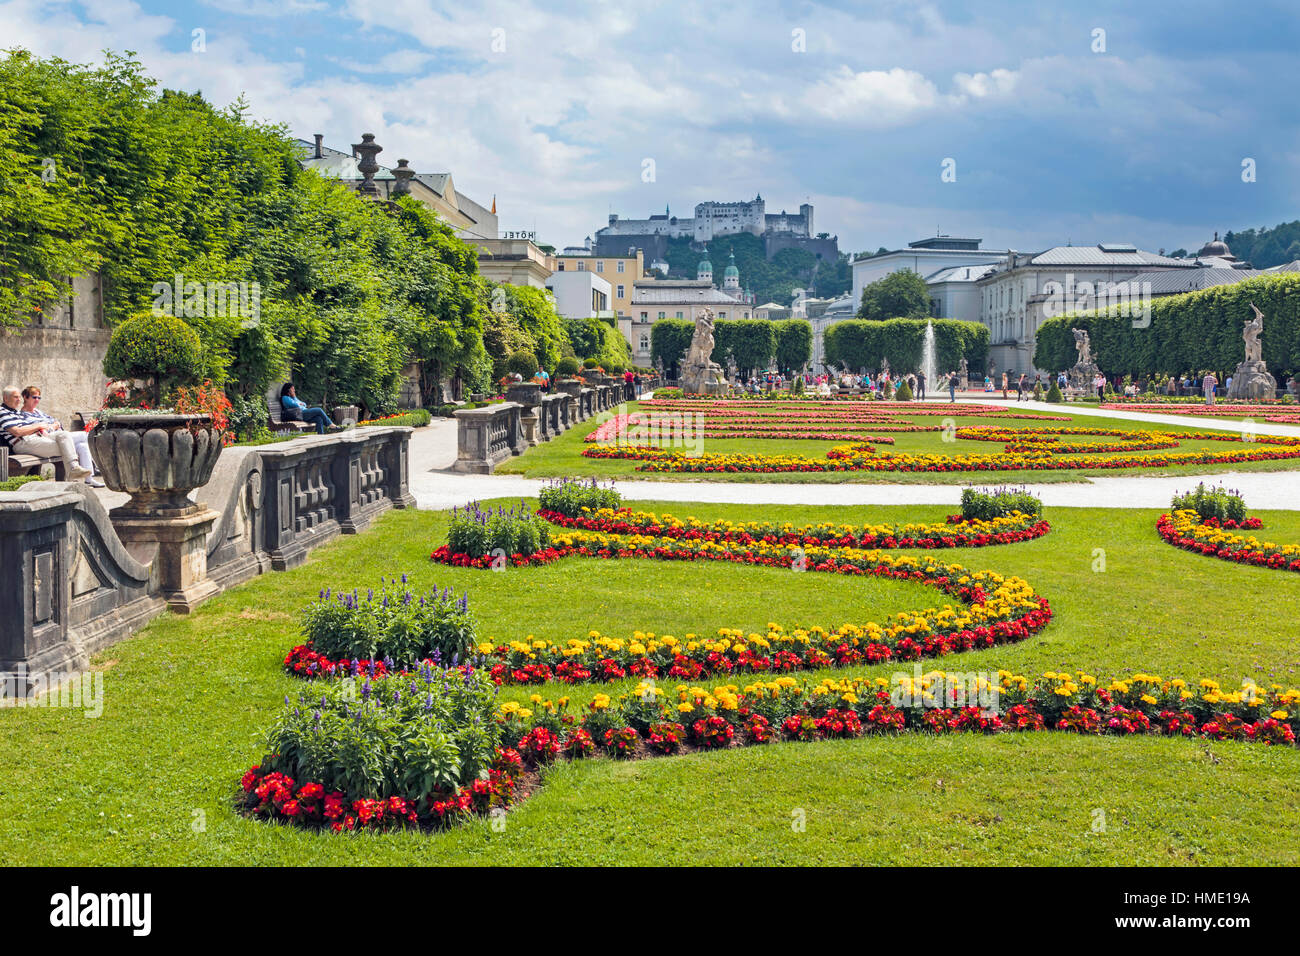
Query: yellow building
{"points": [[620, 272]]}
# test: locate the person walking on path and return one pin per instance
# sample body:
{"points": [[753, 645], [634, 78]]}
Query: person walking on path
{"points": [[1208, 385], [952, 387], [1020, 388], [920, 386], [1005, 385]]}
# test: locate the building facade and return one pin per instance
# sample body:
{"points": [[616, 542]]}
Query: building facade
{"points": [[579, 294], [1024, 289], [619, 271]]}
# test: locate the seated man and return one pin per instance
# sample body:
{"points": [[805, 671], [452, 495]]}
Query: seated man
{"points": [[31, 409], [296, 410], [28, 436]]}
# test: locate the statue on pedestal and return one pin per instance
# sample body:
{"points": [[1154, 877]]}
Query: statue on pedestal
{"points": [[1085, 370], [963, 370], [1252, 380], [700, 374]]}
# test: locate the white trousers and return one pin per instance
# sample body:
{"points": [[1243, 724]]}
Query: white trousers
{"points": [[63, 444]]}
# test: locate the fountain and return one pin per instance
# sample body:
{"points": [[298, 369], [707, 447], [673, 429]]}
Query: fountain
{"points": [[928, 360]]}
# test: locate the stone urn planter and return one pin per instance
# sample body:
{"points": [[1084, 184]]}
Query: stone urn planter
{"points": [[528, 394], [157, 458]]}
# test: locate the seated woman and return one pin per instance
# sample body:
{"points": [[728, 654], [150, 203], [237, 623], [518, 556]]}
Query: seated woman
{"points": [[80, 440], [296, 410]]}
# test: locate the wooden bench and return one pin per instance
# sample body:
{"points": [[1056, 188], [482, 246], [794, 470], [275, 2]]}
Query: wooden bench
{"points": [[13, 465], [275, 413]]}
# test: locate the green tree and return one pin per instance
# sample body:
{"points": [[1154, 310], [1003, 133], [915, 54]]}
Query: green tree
{"points": [[899, 295], [794, 340]]}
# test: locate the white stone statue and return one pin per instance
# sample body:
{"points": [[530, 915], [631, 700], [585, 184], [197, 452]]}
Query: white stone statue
{"points": [[1254, 348], [700, 374]]}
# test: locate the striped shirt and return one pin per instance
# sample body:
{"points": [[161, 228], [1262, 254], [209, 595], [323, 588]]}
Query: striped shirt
{"points": [[11, 418]]}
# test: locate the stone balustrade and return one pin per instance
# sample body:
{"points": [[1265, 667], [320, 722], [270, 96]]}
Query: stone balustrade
{"points": [[75, 585], [487, 436]]}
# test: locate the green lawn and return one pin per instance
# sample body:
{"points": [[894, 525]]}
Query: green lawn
{"points": [[562, 456], [151, 781]]}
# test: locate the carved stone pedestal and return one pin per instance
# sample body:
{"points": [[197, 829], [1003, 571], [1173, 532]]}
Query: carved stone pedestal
{"points": [[1253, 382], [178, 548]]}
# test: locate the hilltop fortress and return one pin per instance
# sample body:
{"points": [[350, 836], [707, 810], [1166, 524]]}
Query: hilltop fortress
{"points": [[712, 220]]}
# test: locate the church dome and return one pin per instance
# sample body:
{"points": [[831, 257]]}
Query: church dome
{"points": [[1216, 248], [731, 271], [705, 267]]}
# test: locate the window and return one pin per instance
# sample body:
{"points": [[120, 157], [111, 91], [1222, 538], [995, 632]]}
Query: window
{"points": [[600, 265], [620, 292], [661, 315], [620, 265], [645, 342], [645, 316], [582, 267], [722, 315], [679, 313], [561, 268]]}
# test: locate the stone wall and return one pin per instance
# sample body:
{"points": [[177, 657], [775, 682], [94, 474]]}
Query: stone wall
{"points": [[61, 352]]}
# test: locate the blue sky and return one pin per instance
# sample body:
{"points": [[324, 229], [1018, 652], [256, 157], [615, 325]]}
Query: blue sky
{"points": [[554, 107]]}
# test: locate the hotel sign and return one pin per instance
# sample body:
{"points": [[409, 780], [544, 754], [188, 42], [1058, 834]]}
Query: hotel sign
{"points": [[529, 234]]}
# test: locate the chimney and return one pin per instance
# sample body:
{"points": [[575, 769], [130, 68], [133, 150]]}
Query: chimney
{"points": [[319, 154]]}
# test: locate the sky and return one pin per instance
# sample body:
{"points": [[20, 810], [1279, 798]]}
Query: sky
{"points": [[1023, 125]]}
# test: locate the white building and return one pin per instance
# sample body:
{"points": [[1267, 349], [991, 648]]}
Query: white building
{"points": [[925, 257], [579, 295], [1015, 295], [954, 293]]}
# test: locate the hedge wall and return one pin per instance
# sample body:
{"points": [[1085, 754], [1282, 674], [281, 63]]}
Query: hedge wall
{"points": [[1188, 333], [753, 342], [863, 344]]}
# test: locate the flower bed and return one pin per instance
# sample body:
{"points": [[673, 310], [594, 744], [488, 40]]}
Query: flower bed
{"points": [[1186, 529], [1191, 405], [418, 778], [1029, 450], [994, 610], [955, 533]]}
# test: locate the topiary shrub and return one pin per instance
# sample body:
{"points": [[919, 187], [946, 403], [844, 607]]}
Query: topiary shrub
{"points": [[797, 388], [904, 392], [570, 497], [977, 505], [567, 367], [590, 363], [161, 349], [1054, 394], [523, 364], [1209, 503]]}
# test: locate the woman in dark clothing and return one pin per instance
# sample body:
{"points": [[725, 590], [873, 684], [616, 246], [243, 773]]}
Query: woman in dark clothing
{"points": [[296, 410]]}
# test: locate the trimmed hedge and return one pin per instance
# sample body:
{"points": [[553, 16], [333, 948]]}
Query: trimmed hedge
{"points": [[753, 342], [160, 348], [864, 344], [1189, 332]]}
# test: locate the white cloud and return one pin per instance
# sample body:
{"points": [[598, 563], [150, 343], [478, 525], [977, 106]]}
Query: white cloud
{"points": [[266, 8]]}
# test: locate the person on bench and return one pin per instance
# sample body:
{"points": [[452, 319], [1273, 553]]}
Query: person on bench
{"points": [[296, 410], [31, 408], [29, 436]]}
